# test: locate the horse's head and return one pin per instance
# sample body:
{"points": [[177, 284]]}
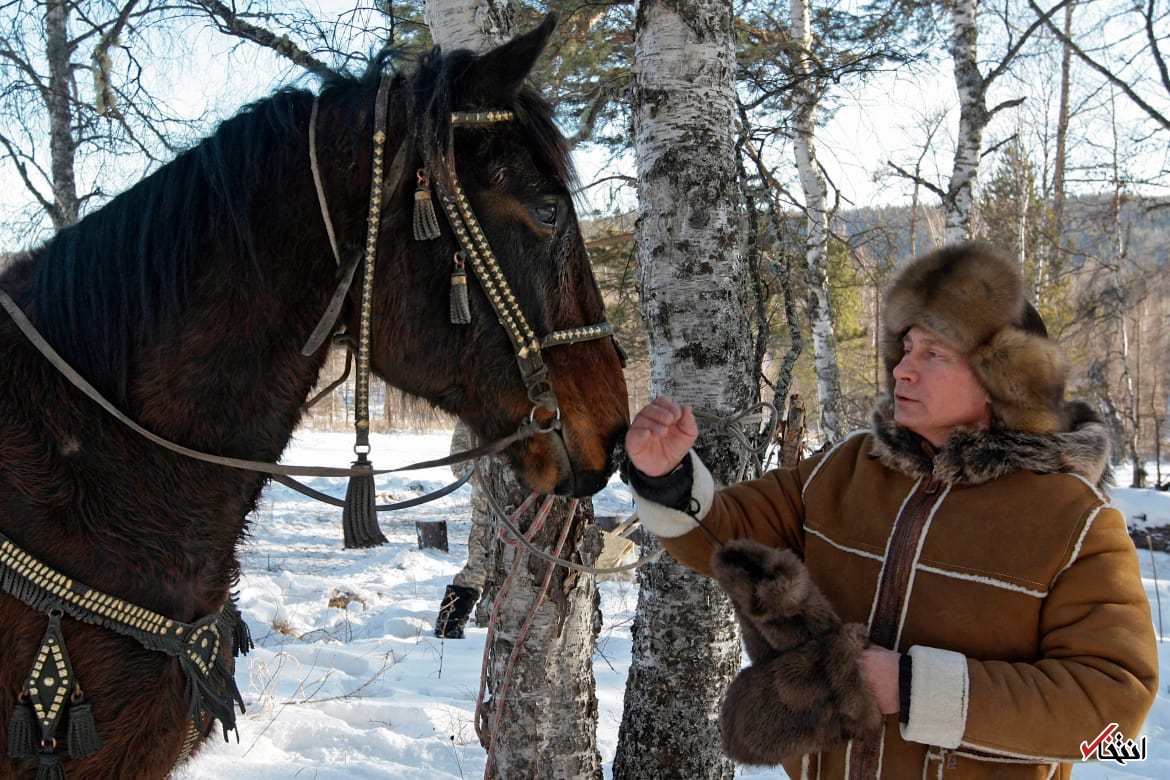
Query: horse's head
{"points": [[516, 176]]}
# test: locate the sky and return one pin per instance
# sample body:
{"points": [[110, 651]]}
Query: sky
{"points": [[872, 123]]}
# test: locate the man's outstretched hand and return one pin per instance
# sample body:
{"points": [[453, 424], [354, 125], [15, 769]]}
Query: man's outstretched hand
{"points": [[660, 435]]}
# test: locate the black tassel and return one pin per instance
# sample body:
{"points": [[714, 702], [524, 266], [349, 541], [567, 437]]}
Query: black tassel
{"points": [[460, 308], [426, 224], [50, 767], [82, 739], [21, 739], [359, 518]]}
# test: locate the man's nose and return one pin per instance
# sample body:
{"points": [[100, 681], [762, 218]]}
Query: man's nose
{"points": [[904, 371]]}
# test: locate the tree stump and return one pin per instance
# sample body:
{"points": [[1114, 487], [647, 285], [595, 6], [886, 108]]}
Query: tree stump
{"points": [[432, 534]]}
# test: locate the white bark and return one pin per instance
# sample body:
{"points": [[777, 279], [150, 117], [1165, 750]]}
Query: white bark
{"points": [[973, 117], [478, 25], [693, 286], [62, 146], [806, 97], [549, 724]]}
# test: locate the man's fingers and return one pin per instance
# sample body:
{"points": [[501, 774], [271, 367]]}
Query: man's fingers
{"points": [[686, 422], [636, 439], [658, 414]]}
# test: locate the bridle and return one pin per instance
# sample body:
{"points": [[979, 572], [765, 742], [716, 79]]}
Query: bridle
{"points": [[475, 251]]}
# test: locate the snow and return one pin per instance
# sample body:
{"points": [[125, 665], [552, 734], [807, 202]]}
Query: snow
{"points": [[366, 690], [362, 689]]}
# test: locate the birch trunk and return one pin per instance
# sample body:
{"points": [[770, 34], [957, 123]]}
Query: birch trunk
{"points": [[973, 117], [549, 725], [62, 145], [820, 313], [478, 25], [693, 286]]}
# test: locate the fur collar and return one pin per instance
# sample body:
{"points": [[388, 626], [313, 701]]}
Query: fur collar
{"points": [[972, 456]]}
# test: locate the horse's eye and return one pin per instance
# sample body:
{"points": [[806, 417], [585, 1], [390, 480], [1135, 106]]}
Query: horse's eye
{"points": [[546, 214]]}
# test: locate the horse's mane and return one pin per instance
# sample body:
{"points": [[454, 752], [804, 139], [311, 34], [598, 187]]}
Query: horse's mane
{"points": [[121, 276]]}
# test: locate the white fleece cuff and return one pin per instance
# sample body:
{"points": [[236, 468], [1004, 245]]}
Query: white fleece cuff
{"points": [[661, 520], [938, 697]]}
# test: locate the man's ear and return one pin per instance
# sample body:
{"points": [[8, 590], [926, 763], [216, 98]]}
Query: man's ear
{"points": [[497, 76]]}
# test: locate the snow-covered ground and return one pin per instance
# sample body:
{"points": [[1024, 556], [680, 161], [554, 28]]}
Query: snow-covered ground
{"points": [[347, 680]]}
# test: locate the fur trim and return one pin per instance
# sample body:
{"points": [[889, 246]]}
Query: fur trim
{"points": [[1024, 400], [661, 520], [972, 456], [974, 298], [938, 697], [804, 692]]}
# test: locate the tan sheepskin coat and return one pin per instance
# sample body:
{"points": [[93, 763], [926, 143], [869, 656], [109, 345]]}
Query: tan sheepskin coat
{"points": [[996, 563]]}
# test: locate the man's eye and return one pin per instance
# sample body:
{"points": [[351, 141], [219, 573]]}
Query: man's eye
{"points": [[546, 214]]}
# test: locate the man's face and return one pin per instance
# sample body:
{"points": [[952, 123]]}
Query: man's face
{"points": [[935, 389]]}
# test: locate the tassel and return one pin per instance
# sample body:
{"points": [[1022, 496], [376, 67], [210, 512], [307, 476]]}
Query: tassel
{"points": [[82, 739], [50, 767], [426, 224], [21, 740], [359, 518], [460, 308]]}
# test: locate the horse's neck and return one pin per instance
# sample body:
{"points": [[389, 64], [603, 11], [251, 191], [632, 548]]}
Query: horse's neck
{"points": [[228, 380]]}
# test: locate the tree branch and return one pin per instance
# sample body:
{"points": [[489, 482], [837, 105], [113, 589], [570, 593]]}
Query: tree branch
{"points": [[47, 205], [230, 23], [1153, 113], [1044, 18], [1005, 104], [917, 179]]}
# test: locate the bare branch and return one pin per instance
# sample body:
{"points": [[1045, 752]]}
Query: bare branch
{"points": [[22, 169], [1152, 112], [1005, 104], [104, 100], [917, 179], [1006, 61], [230, 23], [1153, 41]]}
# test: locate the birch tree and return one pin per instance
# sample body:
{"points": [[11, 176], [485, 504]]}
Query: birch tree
{"points": [[805, 99], [693, 284], [73, 93], [549, 726]]}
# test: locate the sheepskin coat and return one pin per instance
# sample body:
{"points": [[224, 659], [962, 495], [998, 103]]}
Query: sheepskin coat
{"points": [[995, 562]]}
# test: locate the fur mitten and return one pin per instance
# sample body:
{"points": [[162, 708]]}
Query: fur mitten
{"points": [[804, 692]]}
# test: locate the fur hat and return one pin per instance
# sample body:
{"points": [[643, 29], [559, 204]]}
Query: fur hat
{"points": [[804, 692], [974, 298]]}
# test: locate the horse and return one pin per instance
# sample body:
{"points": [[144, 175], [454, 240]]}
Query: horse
{"points": [[186, 301]]}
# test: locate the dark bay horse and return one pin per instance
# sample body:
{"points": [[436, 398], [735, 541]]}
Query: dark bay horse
{"points": [[186, 301]]}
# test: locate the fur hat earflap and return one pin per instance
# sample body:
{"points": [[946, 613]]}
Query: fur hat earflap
{"points": [[804, 691], [974, 298]]}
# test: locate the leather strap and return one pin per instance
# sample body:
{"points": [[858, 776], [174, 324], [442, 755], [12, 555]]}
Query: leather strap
{"points": [[526, 430]]}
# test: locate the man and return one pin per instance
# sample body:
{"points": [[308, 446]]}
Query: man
{"points": [[967, 531]]}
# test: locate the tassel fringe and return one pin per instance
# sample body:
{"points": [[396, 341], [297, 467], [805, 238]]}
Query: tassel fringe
{"points": [[50, 767], [426, 224], [359, 518], [82, 739], [21, 739], [460, 307]]}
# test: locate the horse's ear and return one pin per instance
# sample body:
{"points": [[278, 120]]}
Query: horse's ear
{"points": [[502, 71]]}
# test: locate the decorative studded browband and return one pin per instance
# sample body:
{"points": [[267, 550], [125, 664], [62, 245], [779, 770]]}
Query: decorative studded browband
{"points": [[52, 693]]}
